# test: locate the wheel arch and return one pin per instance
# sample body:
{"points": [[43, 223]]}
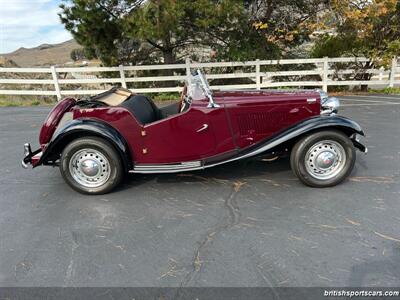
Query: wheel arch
{"points": [[346, 130], [79, 128]]}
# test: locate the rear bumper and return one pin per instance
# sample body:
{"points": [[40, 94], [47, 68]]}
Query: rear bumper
{"points": [[30, 158]]}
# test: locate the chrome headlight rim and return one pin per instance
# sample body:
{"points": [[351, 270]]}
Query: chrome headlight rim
{"points": [[323, 95], [329, 105]]}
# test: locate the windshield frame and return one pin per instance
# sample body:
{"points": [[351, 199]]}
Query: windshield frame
{"points": [[198, 77]]}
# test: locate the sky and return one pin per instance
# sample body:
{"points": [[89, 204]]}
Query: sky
{"points": [[29, 23]]}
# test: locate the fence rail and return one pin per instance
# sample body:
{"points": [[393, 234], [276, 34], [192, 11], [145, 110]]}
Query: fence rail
{"points": [[323, 69]]}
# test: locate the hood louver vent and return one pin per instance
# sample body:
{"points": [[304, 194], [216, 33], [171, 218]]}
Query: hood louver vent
{"points": [[259, 123]]}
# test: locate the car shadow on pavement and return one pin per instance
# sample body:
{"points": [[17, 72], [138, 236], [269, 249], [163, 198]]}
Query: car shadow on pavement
{"points": [[278, 169]]}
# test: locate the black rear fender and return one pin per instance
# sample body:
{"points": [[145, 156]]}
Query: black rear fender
{"points": [[85, 128]]}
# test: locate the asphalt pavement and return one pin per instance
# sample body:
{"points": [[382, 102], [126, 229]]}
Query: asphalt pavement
{"points": [[242, 224]]}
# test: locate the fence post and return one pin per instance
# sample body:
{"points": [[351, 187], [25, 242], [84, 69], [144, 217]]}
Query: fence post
{"points": [[381, 70], [258, 75], [56, 84], [393, 72], [325, 74], [187, 62], [122, 76]]}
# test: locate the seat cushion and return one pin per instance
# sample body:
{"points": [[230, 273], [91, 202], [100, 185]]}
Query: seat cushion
{"points": [[142, 108]]}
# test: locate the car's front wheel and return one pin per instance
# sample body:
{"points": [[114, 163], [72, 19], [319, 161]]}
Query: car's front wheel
{"points": [[91, 166], [323, 158]]}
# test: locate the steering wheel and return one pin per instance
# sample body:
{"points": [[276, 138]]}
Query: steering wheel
{"points": [[183, 103]]}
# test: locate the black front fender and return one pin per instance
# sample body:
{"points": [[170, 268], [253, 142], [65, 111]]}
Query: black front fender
{"points": [[290, 135], [82, 128], [344, 124]]}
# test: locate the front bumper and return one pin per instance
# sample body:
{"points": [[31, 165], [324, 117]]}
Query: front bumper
{"points": [[30, 158], [356, 139]]}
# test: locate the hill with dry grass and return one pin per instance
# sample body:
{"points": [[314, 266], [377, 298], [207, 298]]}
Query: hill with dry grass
{"points": [[43, 55], [7, 63]]}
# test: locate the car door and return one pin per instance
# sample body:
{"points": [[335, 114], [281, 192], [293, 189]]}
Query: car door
{"points": [[183, 137]]}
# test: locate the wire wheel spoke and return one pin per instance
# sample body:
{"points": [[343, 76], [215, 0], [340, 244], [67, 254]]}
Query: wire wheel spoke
{"points": [[325, 159], [89, 167]]}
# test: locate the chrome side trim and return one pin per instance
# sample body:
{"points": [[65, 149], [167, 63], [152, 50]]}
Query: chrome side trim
{"points": [[163, 171], [169, 166]]}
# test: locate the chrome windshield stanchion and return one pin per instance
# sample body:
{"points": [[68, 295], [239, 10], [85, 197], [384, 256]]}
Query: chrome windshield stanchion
{"points": [[212, 104], [207, 90]]}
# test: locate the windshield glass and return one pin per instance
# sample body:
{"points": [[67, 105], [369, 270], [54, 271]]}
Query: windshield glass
{"points": [[198, 87]]}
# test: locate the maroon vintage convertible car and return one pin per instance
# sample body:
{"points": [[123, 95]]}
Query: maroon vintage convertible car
{"points": [[97, 140]]}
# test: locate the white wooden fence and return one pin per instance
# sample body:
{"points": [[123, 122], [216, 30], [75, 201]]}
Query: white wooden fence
{"points": [[320, 68]]}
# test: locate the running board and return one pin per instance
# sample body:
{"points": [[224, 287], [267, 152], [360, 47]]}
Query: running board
{"points": [[167, 168]]}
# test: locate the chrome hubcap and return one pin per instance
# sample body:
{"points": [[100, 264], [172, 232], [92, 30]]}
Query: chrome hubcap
{"points": [[89, 167], [325, 159]]}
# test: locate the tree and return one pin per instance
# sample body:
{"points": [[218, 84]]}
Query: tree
{"points": [[160, 23], [97, 26], [361, 28], [286, 23], [227, 27], [118, 31], [133, 31]]}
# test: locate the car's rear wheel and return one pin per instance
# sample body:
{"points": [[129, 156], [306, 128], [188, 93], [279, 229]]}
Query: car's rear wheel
{"points": [[91, 166], [323, 158]]}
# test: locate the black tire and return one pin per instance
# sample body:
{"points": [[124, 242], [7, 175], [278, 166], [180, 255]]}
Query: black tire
{"points": [[113, 169], [304, 170]]}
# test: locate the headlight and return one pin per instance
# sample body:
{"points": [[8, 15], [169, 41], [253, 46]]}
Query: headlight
{"points": [[323, 95], [329, 105]]}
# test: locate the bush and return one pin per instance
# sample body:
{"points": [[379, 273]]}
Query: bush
{"points": [[388, 90], [77, 54]]}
